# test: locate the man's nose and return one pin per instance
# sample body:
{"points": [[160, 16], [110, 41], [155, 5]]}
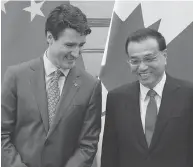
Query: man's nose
{"points": [[76, 52], [142, 66]]}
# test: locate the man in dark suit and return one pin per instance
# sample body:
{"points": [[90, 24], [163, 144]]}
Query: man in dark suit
{"points": [[51, 110], [149, 123]]}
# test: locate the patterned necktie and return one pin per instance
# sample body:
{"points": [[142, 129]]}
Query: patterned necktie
{"points": [[53, 95], [151, 116]]}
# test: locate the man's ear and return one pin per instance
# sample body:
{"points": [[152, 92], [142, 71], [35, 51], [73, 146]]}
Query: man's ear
{"points": [[50, 38], [165, 54]]}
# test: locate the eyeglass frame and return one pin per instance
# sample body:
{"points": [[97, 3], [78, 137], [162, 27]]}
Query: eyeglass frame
{"points": [[151, 59]]}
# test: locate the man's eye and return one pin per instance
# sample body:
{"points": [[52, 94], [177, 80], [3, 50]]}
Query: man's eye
{"points": [[150, 59], [81, 45], [134, 61], [69, 45]]}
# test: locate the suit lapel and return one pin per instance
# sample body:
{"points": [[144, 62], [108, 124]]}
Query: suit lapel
{"points": [[165, 111], [71, 86], [37, 81], [136, 115]]}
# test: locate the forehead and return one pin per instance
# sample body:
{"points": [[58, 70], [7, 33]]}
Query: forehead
{"points": [[71, 35], [146, 46]]}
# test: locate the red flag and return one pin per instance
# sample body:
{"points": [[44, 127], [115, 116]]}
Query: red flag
{"points": [[174, 23], [22, 30]]}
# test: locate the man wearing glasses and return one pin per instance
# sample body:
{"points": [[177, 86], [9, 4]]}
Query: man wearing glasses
{"points": [[149, 123]]}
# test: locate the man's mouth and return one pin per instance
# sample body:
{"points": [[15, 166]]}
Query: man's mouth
{"points": [[70, 58], [144, 75]]}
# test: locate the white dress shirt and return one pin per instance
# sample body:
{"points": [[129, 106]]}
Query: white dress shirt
{"points": [[49, 73], [144, 99]]}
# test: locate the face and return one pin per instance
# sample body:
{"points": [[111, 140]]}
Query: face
{"points": [[147, 62], [64, 51]]}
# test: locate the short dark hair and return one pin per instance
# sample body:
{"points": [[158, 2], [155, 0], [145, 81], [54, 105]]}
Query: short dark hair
{"points": [[66, 16], [143, 34]]}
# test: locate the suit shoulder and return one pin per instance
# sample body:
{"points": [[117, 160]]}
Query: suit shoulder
{"points": [[185, 86], [20, 70], [184, 83], [21, 66], [87, 77], [123, 89]]}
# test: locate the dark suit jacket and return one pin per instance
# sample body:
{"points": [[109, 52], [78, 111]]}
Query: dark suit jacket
{"points": [[124, 143], [26, 139]]}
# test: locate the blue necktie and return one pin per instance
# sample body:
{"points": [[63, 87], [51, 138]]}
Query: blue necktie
{"points": [[151, 116]]}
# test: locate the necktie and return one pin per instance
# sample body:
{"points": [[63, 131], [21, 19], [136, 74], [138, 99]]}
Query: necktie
{"points": [[53, 95], [151, 115]]}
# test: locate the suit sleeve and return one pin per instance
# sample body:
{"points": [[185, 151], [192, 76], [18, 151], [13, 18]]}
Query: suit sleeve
{"points": [[109, 157], [10, 156], [89, 136], [191, 131]]}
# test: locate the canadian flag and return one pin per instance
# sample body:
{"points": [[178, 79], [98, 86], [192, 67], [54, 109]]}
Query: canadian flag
{"points": [[174, 19]]}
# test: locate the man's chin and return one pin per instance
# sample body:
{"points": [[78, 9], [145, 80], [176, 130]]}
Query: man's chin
{"points": [[146, 83], [143, 80], [69, 66]]}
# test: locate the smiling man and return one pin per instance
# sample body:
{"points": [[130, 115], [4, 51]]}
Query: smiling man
{"points": [[149, 123], [51, 110]]}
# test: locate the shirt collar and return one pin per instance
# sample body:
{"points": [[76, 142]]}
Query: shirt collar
{"points": [[50, 68], [158, 88]]}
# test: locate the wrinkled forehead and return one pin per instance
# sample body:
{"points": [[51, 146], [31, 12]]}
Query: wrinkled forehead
{"points": [[143, 47]]}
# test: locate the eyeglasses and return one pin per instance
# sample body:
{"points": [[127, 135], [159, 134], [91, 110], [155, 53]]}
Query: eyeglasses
{"points": [[148, 59]]}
